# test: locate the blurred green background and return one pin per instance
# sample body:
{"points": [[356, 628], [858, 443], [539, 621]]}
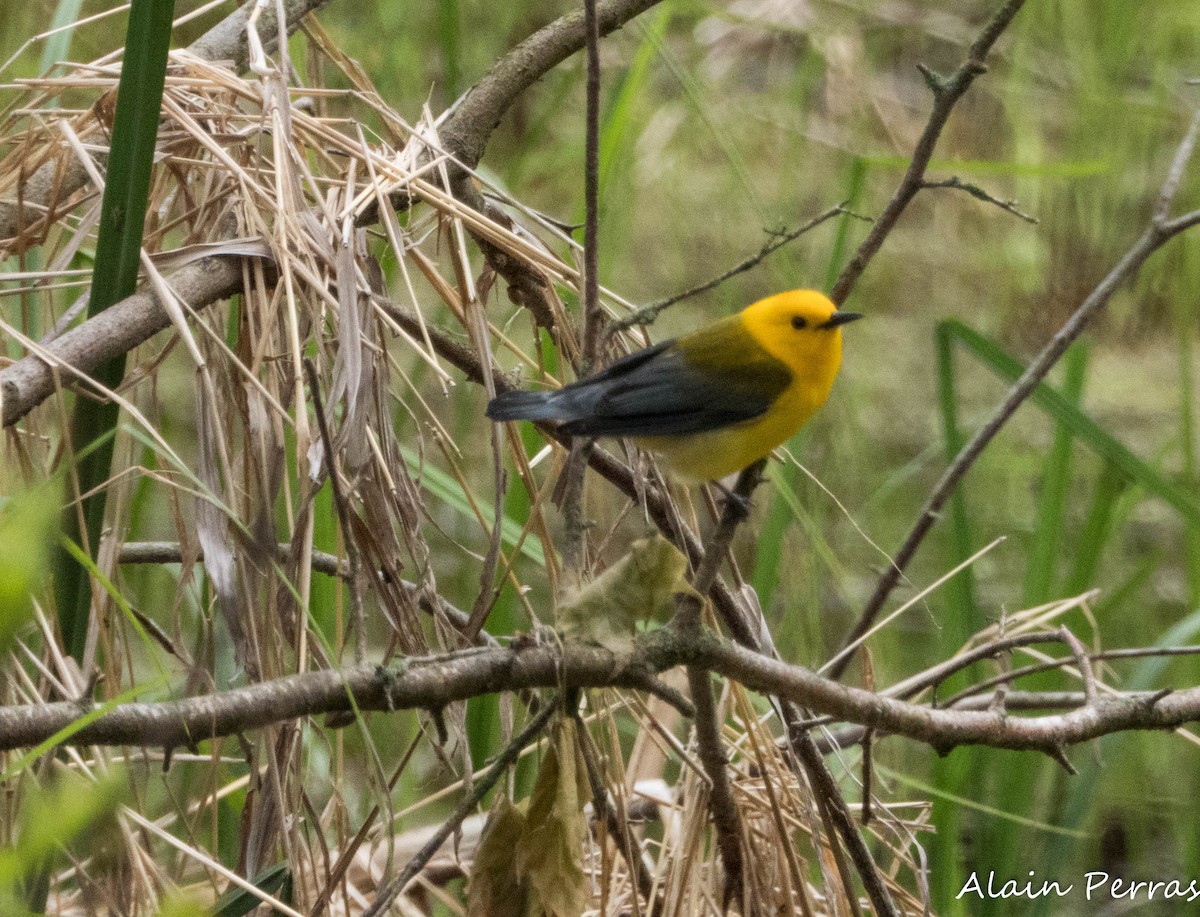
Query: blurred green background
{"points": [[722, 123]]}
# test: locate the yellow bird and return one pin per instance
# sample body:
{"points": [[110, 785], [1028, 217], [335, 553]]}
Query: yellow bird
{"points": [[713, 401]]}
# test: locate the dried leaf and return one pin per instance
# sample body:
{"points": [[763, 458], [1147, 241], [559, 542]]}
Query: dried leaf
{"points": [[212, 526], [635, 588], [497, 888], [550, 855]]}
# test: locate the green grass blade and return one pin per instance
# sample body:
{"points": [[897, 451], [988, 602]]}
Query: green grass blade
{"points": [[1056, 482], [58, 45], [449, 33], [702, 106], [118, 247], [961, 589], [1189, 317], [1099, 440], [841, 241], [955, 774], [975, 805], [619, 123], [447, 490], [237, 901], [1097, 527]]}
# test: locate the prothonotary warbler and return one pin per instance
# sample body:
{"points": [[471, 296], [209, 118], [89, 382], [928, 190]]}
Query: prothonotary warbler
{"points": [[713, 401]]}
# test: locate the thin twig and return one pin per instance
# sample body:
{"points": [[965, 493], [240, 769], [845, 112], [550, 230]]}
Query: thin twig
{"points": [[593, 315], [1082, 662], [570, 491], [710, 748], [779, 238], [480, 789], [946, 93], [868, 745], [711, 751], [1105, 655], [957, 184], [171, 552], [1183, 155], [343, 512], [1158, 233]]}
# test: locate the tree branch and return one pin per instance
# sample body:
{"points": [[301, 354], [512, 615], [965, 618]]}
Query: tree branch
{"points": [[1160, 231], [506, 759], [433, 682], [467, 131], [115, 331], [946, 93], [170, 552]]}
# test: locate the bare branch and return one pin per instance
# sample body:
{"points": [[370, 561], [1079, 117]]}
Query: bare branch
{"points": [[1160, 231], [946, 93], [467, 130], [227, 39], [647, 314], [115, 331], [957, 184], [432, 682], [572, 481], [1183, 156], [170, 552]]}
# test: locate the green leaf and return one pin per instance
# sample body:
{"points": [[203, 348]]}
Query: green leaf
{"points": [[237, 902], [27, 531], [606, 611]]}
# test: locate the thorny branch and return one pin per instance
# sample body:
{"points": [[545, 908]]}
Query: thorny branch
{"points": [[957, 184]]}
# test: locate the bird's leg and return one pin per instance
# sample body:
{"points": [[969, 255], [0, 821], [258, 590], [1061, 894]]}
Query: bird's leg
{"points": [[734, 502]]}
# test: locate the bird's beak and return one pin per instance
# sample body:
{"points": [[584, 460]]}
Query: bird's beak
{"points": [[841, 318]]}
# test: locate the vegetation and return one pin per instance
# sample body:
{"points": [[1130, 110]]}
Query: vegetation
{"points": [[318, 281]]}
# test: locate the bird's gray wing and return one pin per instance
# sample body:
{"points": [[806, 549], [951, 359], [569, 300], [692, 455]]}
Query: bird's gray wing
{"points": [[658, 392]]}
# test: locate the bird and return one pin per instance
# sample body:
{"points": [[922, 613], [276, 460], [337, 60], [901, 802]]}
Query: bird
{"points": [[712, 401]]}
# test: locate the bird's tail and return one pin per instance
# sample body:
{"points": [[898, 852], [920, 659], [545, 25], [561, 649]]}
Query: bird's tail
{"points": [[521, 405]]}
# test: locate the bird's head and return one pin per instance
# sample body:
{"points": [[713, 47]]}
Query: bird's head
{"points": [[802, 328]]}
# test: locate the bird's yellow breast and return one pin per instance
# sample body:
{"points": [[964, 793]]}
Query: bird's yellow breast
{"points": [[812, 360]]}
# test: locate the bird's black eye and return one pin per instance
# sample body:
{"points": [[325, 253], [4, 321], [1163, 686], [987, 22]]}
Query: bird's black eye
{"points": [[798, 322]]}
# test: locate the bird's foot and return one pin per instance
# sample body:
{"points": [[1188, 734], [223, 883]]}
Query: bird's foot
{"points": [[737, 504]]}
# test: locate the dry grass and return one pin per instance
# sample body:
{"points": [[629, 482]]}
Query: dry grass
{"points": [[247, 161]]}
